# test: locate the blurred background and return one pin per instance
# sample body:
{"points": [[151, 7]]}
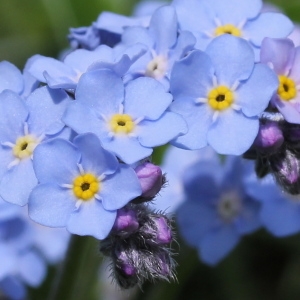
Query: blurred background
{"points": [[261, 267]]}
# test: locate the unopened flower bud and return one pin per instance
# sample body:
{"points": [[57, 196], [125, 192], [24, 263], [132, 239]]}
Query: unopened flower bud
{"points": [[269, 136], [151, 179], [126, 222], [286, 169], [157, 230]]}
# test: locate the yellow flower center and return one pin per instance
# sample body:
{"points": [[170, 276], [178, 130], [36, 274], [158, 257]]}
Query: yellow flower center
{"points": [[287, 88], [121, 123], [24, 146], [86, 186], [220, 98], [228, 28]]}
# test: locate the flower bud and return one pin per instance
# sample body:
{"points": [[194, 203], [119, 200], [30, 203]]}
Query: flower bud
{"points": [[126, 222], [151, 179], [286, 169], [269, 136]]}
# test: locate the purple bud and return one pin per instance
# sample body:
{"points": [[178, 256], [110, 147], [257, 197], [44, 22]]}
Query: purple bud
{"points": [[157, 230], [286, 169], [125, 265], [269, 136], [126, 221], [151, 179], [164, 232]]}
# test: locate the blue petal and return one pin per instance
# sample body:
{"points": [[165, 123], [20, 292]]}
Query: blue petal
{"points": [[45, 116], [269, 24], [255, 94], [161, 131], [185, 43], [83, 119], [163, 29], [51, 205], [57, 72], [192, 76], [13, 114], [128, 149], [232, 58], [146, 97], [32, 268], [195, 220], [81, 59], [235, 11], [18, 182], [93, 157], [198, 119], [249, 218], [232, 133], [10, 78], [194, 15], [101, 90], [134, 34], [92, 219], [55, 161], [215, 245], [281, 216], [120, 188], [13, 287]]}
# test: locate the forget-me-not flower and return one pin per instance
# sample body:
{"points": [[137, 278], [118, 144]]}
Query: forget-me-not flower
{"points": [[216, 212], [129, 120], [81, 186], [208, 19], [221, 93]]}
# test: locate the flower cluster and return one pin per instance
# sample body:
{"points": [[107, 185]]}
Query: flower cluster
{"points": [[77, 134]]}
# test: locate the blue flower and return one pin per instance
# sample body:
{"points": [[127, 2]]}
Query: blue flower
{"points": [[209, 19], [282, 56], [164, 44], [81, 186], [216, 212], [129, 120], [23, 125], [220, 93]]}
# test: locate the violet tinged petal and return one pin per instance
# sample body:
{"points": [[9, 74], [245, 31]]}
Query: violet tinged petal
{"points": [[279, 52]]}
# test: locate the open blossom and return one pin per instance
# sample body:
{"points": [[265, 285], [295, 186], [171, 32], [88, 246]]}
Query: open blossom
{"points": [[129, 120], [208, 19], [284, 58], [221, 93], [81, 186], [216, 212], [25, 124], [164, 45]]}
